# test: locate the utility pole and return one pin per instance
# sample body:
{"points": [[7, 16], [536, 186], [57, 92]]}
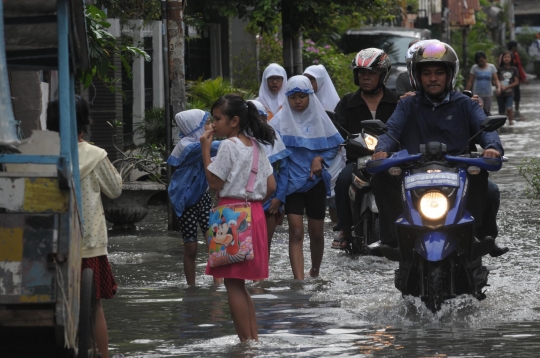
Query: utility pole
{"points": [[287, 38], [511, 20], [175, 87], [445, 14]]}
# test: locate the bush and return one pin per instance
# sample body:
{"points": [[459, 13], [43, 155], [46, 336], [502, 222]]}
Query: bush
{"points": [[337, 64], [530, 170], [202, 94]]}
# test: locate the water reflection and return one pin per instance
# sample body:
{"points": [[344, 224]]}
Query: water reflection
{"points": [[353, 309]]}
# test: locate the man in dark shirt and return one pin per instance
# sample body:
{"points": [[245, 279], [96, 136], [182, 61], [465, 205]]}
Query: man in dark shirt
{"points": [[435, 114], [373, 100]]}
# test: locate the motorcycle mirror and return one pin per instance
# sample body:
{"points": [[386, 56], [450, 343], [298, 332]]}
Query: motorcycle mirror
{"points": [[374, 127], [492, 123]]}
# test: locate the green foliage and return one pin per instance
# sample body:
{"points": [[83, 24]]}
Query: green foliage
{"points": [[530, 170], [203, 94], [336, 63], [131, 9], [148, 159], [102, 46], [153, 129]]}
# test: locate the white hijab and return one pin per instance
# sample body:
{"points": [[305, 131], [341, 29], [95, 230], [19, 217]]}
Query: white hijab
{"points": [[191, 125], [326, 92], [311, 128], [276, 151], [272, 102]]}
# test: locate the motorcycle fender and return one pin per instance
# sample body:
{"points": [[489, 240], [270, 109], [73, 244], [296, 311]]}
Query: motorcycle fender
{"points": [[434, 245]]}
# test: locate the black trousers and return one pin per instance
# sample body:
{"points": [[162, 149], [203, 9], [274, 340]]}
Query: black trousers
{"points": [[387, 191]]}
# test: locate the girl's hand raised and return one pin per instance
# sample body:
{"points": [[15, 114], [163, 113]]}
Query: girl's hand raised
{"points": [[206, 139]]}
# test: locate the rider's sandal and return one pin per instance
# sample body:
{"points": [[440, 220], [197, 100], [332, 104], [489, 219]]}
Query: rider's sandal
{"points": [[337, 243]]}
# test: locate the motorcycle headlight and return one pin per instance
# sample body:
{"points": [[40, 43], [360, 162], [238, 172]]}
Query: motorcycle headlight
{"points": [[371, 141], [433, 205]]}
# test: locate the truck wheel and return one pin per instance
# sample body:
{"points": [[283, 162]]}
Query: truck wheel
{"points": [[87, 303]]}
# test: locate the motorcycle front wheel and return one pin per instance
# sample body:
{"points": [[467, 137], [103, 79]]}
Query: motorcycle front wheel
{"points": [[434, 279]]}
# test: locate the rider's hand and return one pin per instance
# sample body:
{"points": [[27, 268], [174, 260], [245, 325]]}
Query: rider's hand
{"points": [[379, 155], [408, 94], [491, 153], [316, 166]]}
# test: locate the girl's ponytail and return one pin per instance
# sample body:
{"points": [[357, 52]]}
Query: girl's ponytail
{"points": [[250, 120]]}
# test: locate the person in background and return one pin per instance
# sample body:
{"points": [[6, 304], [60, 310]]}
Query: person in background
{"points": [[272, 89], [516, 62], [509, 78], [403, 84], [98, 176], [371, 68], [278, 156], [188, 188], [482, 76], [314, 141], [329, 98], [323, 86], [228, 174]]}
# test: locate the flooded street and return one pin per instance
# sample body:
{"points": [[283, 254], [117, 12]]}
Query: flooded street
{"points": [[352, 309]]}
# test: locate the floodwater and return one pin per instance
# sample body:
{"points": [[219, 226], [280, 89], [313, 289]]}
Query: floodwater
{"points": [[352, 309]]}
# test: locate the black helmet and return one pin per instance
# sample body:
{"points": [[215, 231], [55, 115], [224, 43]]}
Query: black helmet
{"points": [[373, 59], [435, 53]]}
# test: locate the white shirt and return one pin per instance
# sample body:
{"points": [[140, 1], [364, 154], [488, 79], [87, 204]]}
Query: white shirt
{"points": [[232, 164]]}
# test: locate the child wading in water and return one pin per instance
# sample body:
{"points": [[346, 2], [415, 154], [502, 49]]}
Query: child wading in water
{"points": [[313, 140], [228, 174], [509, 78], [272, 90], [98, 176], [278, 156], [188, 188]]}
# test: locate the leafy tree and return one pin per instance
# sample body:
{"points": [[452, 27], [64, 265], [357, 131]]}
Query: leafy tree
{"points": [[102, 46]]}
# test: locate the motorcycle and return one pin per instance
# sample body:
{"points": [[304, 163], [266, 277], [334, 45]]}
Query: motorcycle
{"points": [[439, 256], [363, 207]]}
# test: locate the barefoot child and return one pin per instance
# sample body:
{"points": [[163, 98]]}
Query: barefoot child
{"points": [[277, 155], [313, 140], [228, 174], [188, 188], [509, 78], [272, 90]]}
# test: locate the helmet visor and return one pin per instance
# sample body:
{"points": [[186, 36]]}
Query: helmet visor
{"points": [[432, 51]]}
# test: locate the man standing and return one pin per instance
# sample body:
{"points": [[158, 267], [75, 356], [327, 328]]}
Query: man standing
{"points": [[439, 114], [371, 68]]}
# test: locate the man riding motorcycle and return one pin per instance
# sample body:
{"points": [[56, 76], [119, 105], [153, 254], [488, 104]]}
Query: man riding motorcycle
{"points": [[438, 114], [371, 68]]}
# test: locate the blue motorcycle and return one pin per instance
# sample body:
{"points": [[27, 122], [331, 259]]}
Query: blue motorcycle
{"points": [[439, 257]]}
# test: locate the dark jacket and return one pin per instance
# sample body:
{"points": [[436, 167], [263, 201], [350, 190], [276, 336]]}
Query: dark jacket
{"points": [[417, 121], [352, 110]]}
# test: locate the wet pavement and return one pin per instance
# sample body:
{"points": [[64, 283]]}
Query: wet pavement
{"points": [[352, 309]]}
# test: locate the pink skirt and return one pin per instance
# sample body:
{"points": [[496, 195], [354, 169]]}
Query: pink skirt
{"points": [[256, 269]]}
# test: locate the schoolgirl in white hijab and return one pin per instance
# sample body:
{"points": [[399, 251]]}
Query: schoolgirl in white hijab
{"points": [[325, 91], [271, 101], [278, 156], [313, 141]]}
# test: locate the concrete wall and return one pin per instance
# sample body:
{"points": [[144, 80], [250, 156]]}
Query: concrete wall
{"points": [[26, 93]]}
